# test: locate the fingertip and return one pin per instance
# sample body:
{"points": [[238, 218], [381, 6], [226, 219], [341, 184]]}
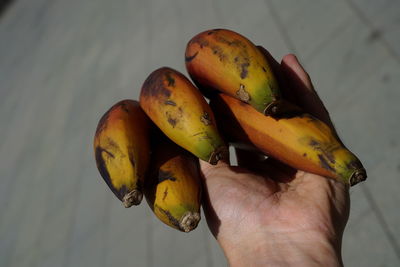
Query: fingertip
{"points": [[294, 72], [301, 88], [290, 59], [292, 68]]}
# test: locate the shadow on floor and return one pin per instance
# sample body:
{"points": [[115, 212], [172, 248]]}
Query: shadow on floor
{"points": [[4, 4]]}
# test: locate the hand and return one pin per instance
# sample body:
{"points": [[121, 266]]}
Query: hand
{"points": [[263, 212]]}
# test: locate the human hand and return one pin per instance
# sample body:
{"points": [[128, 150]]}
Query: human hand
{"points": [[263, 212]]}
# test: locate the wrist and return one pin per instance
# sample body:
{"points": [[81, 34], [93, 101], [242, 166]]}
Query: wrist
{"points": [[294, 249]]}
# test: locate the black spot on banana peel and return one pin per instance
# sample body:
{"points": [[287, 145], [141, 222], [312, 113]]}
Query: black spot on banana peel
{"points": [[165, 194], [189, 121], [155, 85], [171, 219], [190, 58], [165, 175], [230, 63], [327, 149], [170, 79], [170, 102], [122, 150], [172, 121], [303, 142], [325, 164], [244, 69], [205, 118], [124, 107], [101, 166], [173, 188]]}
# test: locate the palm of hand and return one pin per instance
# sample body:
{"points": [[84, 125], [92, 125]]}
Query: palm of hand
{"points": [[268, 199], [240, 201]]}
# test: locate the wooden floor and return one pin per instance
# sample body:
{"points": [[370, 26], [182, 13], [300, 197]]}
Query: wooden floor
{"points": [[64, 63]]}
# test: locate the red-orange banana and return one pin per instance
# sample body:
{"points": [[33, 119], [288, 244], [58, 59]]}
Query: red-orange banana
{"points": [[300, 140], [227, 61]]}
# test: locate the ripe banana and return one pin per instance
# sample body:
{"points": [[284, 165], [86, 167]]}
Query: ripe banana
{"points": [[122, 150], [229, 62], [180, 111], [173, 187], [301, 140]]}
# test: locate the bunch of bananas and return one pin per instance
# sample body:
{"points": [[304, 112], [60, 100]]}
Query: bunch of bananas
{"points": [[152, 147]]}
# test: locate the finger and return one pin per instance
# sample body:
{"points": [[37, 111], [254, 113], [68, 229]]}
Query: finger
{"points": [[277, 70], [296, 85], [299, 84], [292, 64], [299, 89]]}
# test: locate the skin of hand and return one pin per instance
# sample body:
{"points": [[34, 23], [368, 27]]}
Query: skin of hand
{"points": [[264, 213]]}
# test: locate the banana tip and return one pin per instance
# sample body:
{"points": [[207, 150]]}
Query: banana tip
{"points": [[358, 176], [272, 108], [134, 197], [189, 221], [220, 153]]}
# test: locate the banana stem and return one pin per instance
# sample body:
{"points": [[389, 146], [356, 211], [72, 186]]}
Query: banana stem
{"points": [[132, 198], [189, 221], [358, 176], [272, 108], [221, 152]]}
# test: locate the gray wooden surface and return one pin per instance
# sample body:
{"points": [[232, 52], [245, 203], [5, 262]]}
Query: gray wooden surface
{"points": [[64, 63]]}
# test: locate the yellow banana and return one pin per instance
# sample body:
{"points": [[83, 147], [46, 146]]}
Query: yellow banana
{"points": [[173, 186], [301, 140], [122, 150], [227, 61], [180, 111]]}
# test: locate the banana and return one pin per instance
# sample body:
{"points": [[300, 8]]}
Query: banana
{"points": [[229, 62], [299, 140], [122, 150], [173, 187], [180, 111]]}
